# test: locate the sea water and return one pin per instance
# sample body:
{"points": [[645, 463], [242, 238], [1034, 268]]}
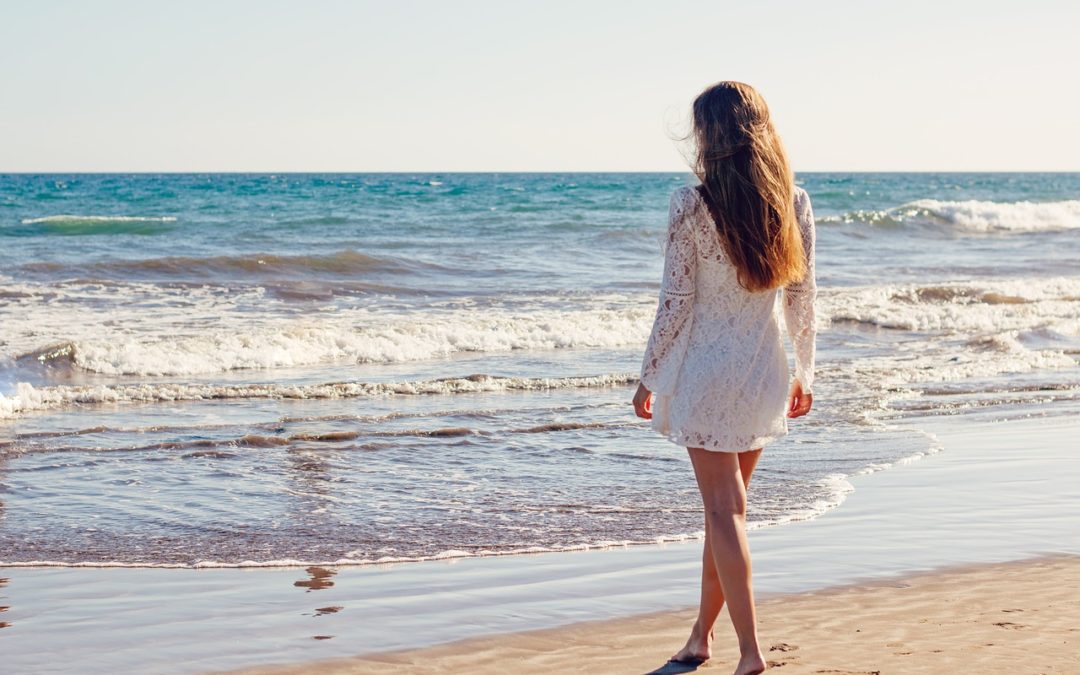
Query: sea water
{"points": [[256, 369]]}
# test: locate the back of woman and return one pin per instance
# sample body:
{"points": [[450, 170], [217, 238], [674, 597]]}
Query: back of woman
{"points": [[715, 377]]}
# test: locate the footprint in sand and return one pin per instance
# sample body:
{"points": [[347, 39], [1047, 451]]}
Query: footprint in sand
{"points": [[782, 647]]}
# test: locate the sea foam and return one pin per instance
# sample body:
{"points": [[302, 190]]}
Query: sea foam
{"points": [[391, 340], [961, 306], [958, 329]]}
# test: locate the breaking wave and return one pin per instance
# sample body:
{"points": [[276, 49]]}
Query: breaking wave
{"points": [[972, 216], [376, 340]]}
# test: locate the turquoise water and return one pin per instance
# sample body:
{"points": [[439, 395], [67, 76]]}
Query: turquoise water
{"points": [[223, 369]]}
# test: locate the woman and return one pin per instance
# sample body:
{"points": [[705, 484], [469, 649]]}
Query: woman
{"points": [[715, 375]]}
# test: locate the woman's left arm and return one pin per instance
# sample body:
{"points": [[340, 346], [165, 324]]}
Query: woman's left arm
{"points": [[799, 315]]}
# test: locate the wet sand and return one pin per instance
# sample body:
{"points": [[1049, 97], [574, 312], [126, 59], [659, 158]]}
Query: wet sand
{"points": [[1019, 617]]}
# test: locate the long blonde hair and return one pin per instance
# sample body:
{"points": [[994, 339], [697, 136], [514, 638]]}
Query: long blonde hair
{"points": [[747, 185]]}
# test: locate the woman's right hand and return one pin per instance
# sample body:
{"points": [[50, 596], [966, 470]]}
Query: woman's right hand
{"points": [[643, 402]]}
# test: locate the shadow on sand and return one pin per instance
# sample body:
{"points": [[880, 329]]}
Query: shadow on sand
{"points": [[672, 667]]}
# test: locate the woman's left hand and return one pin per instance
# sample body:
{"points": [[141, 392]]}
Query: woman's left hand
{"points": [[799, 401], [643, 402]]}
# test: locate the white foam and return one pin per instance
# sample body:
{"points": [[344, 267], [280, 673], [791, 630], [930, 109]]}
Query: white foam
{"points": [[232, 340], [935, 446], [925, 362], [202, 330], [390, 341], [28, 397], [69, 218], [986, 306], [971, 329], [836, 488], [356, 559]]}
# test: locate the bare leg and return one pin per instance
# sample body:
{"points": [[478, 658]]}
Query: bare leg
{"points": [[723, 491], [699, 644]]}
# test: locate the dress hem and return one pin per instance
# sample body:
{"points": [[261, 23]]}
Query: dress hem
{"points": [[758, 443]]}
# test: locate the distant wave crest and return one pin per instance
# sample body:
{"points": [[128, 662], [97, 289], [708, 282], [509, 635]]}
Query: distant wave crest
{"points": [[342, 264], [972, 216], [69, 224], [99, 219]]}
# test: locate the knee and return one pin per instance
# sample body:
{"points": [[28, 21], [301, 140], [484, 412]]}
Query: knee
{"points": [[727, 507]]}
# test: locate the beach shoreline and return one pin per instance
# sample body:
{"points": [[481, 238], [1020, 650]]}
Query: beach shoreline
{"points": [[1018, 616]]}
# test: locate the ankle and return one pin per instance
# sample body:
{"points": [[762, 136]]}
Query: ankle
{"points": [[749, 648]]}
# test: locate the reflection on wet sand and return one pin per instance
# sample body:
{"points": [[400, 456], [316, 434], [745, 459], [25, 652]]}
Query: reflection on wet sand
{"points": [[4, 608], [320, 579]]}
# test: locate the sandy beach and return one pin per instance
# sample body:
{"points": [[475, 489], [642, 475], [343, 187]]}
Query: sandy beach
{"points": [[1020, 617]]}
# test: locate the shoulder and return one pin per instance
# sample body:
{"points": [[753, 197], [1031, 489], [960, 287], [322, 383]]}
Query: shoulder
{"points": [[682, 212], [801, 196], [802, 201], [684, 200]]}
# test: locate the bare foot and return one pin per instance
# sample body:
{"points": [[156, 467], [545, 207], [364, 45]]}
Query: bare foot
{"points": [[698, 647], [751, 665]]}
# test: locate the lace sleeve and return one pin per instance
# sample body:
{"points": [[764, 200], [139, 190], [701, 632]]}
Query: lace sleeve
{"points": [[799, 299], [671, 328]]}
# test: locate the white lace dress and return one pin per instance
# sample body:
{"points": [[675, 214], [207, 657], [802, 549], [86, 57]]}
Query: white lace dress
{"points": [[715, 360]]}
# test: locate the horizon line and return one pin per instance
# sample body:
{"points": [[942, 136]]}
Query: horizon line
{"points": [[518, 172]]}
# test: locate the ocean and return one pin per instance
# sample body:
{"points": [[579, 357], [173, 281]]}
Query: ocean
{"points": [[207, 370]]}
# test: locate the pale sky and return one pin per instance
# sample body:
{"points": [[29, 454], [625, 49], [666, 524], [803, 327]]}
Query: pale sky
{"points": [[399, 85]]}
